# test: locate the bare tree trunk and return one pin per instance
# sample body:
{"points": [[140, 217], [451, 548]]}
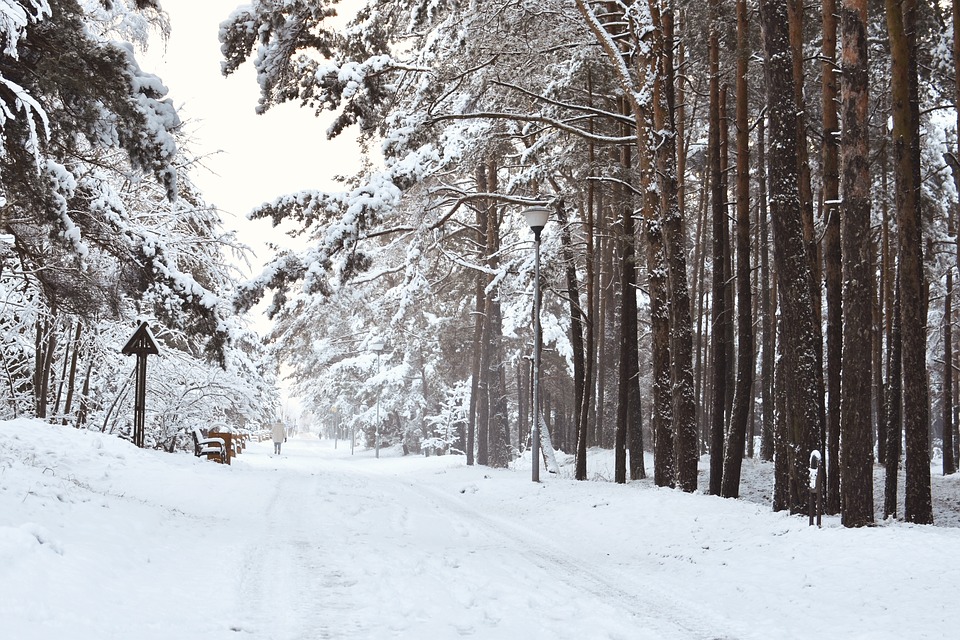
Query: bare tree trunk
{"points": [[719, 315], [955, 421], [858, 278], [590, 352], [684, 409], [604, 348], [901, 21], [84, 408], [893, 417], [63, 371], [798, 344], [498, 448], [48, 347], [783, 456], [949, 464], [832, 252], [949, 459], [628, 369], [743, 396], [483, 385], [888, 275], [72, 383], [576, 333], [768, 334]]}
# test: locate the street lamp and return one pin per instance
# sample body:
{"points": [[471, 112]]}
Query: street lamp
{"points": [[376, 345], [536, 218]]}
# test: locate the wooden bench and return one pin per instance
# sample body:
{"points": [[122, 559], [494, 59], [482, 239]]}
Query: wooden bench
{"points": [[214, 448], [230, 439]]}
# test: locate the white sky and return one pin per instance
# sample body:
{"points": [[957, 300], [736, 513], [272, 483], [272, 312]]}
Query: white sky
{"points": [[251, 159]]}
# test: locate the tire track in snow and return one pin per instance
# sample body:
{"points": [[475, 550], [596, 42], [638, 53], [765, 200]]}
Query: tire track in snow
{"points": [[289, 586], [655, 612]]}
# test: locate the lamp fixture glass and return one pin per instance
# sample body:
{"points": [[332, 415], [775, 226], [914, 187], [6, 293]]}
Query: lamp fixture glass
{"points": [[536, 217]]}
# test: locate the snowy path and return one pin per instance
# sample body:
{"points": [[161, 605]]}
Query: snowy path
{"points": [[407, 560], [103, 541]]}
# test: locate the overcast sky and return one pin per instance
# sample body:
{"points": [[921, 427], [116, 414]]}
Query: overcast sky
{"points": [[250, 158]]}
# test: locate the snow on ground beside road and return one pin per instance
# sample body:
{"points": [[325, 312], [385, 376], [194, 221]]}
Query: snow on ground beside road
{"points": [[99, 540]]}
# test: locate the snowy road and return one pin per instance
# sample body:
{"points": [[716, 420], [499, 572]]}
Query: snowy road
{"points": [[347, 548], [103, 541]]}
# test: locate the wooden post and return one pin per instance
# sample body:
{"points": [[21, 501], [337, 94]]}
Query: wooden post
{"points": [[141, 344]]}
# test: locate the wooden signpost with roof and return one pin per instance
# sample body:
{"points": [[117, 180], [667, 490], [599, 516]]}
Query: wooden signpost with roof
{"points": [[140, 344]]}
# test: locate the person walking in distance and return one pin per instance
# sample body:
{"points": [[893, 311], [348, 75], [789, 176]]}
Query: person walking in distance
{"points": [[279, 435]]}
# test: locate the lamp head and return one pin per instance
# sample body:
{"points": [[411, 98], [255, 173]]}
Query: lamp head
{"points": [[536, 218]]}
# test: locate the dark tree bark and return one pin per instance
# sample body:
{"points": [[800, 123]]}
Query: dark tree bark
{"points": [[576, 333], [628, 368], [719, 316], [901, 25], [72, 380], [781, 438], [858, 278], [832, 252], [498, 433], [949, 459], [477, 351], [893, 417], [888, 276], [743, 395], [685, 449], [955, 421], [483, 384], [798, 344], [590, 350], [949, 464], [768, 335]]}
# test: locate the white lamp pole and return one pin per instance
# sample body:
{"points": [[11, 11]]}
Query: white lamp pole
{"points": [[536, 218], [377, 347]]}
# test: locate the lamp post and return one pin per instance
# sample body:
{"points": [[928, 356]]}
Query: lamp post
{"points": [[536, 218], [377, 347]]}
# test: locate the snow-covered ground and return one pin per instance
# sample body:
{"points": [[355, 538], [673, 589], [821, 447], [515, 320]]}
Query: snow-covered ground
{"points": [[99, 540]]}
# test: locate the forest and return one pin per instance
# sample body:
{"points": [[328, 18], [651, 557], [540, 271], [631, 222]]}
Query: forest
{"points": [[750, 251]]}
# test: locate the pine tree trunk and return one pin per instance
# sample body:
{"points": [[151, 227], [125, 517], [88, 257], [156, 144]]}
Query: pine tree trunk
{"points": [[796, 9], [888, 276], [48, 349], [767, 332], [781, 440], [605, 353], [798, 344], [483, 385], [63, 372], [956, 71], [832, 253], [893, 417], [590, 352], [72, 380], [858, 279], [743, 396], [901, 21], [84, 409], [628, 367], [472, 417], [498, 448], [949, 457], [684, 409], [651, 152], [576, 328], [719, 313], [949, 464]]}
